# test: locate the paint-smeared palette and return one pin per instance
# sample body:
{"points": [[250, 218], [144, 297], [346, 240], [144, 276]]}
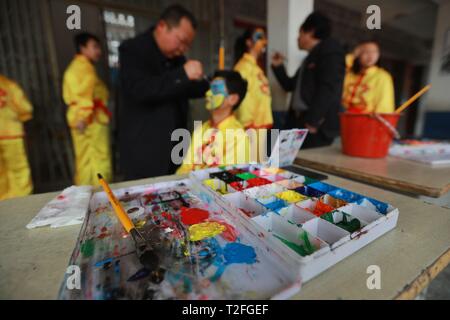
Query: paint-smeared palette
{"points": [[314, 223], [205, 251]]}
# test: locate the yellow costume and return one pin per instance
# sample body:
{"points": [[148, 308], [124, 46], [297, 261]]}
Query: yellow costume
{"points": [[86, 97], [15, 175], [370, 91], [204, 149], [255, 110]]}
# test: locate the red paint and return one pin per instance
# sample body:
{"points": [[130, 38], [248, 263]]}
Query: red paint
{"points": [[235, 171], [237, 185], [190, 216], [256, 182], [230, 233], [104, 233], [322, 208], [248, 213], [167, 215], [61, 197], [148, 198]]}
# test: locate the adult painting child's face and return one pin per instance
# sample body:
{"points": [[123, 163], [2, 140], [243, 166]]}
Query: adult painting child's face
{"points": [[175, 41]]}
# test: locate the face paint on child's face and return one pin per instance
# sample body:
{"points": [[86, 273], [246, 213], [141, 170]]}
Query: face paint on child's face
{"points": [[217, 94], [259, 40]]}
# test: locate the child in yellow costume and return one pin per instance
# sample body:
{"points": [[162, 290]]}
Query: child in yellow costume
{"points": [[15, 175], [213, 144], [255, 111], [88, 117], [367, 87]]}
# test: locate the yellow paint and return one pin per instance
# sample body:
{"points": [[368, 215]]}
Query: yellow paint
{"points": [[290, 196], [140, 224], [273, 170], [205, 230], [216, 185]]}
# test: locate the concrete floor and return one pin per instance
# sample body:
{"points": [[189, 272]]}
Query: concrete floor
{"points": [[439, 288]]}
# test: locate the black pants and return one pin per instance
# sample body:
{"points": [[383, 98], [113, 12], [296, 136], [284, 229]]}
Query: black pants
{"points": [[316, 141], [312, 140]]}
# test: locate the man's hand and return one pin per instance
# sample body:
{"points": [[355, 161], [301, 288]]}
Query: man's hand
{"points": [[277, 59], [311, 129], [81, 126], [194, 69]]}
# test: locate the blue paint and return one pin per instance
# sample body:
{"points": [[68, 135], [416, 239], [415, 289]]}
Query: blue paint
{"points": [[324, 187], [103, 262], [140, 274], [381, 207], [309, 192], [239, 253], [273, 204], [346, 195], [233, 252]]}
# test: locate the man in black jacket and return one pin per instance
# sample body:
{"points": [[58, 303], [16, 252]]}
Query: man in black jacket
{"points": [[156, 84], [317, 85]]}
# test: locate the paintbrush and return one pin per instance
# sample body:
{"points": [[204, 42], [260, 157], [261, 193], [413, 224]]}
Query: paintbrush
{"points": [[146, 254], [412, 99]]}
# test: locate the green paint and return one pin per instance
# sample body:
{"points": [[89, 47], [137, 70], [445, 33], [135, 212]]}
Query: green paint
{"points": [[309, 247], [305, 250], [297, 248], [350, 226], [87, 248], [246, 176], [309, 181], [328, 217]]}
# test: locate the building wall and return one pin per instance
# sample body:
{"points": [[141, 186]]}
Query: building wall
{"points": [[434, 119], [439, 97]]}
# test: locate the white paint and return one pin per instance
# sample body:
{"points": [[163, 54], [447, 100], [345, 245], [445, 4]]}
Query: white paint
{"points": [[284, 19]]}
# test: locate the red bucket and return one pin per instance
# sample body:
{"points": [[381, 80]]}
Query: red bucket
{"points": [[367, 135]]}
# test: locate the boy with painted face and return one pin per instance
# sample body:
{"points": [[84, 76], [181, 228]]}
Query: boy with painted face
{"points": [[222, 139]]}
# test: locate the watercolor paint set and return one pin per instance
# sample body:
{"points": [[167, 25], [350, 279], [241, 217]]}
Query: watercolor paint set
{"points": [[204, 251], [314, 223], [240, 232]]}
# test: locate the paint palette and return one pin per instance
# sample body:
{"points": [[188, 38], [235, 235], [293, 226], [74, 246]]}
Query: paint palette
{"points": [[313, 223], [205, 251]]}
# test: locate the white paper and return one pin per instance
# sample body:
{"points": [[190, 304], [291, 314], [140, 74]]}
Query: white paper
{"points": [[68, 208]]}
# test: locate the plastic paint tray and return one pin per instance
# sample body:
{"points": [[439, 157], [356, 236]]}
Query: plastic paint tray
{"points": [[338, 238], [234, 262]]}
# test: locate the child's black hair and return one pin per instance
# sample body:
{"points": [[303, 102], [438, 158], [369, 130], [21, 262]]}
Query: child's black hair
{"points": [[235, 84], [81, 39], [240, 46]]}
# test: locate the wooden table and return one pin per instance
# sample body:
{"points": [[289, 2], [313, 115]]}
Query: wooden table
{"points": [[33, 262], [396, 174]]}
